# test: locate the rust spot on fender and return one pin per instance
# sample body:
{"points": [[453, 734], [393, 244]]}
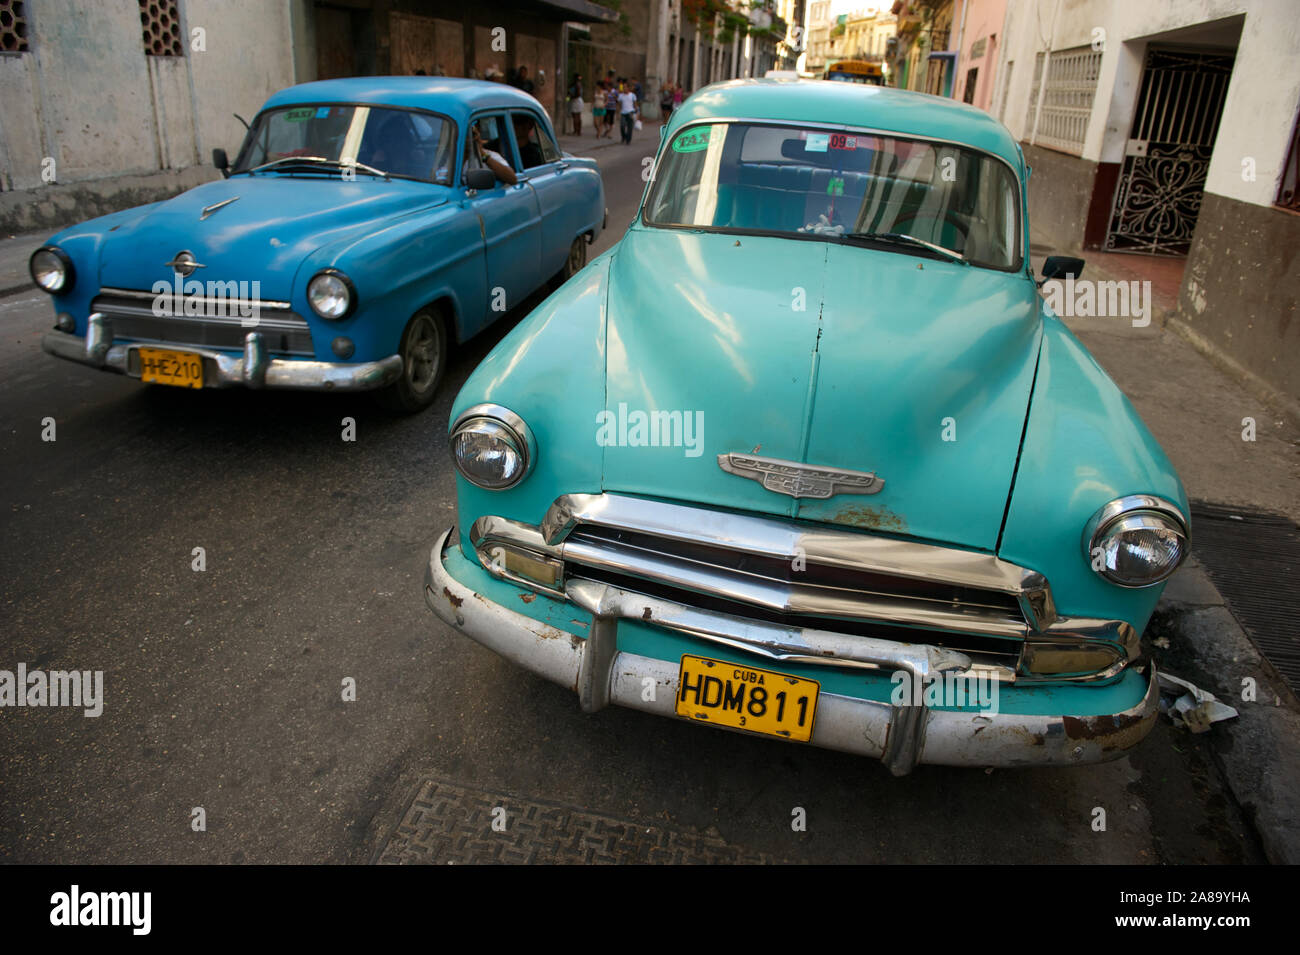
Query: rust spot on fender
{"points": [[452, 598], [528, 598], [871, 518], [1116, 732]]}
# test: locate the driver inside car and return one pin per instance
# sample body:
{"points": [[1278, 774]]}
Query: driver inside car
{"points": [[488, 157]]}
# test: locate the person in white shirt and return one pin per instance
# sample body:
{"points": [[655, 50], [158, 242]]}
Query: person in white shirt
{"points": [[626, 114]]}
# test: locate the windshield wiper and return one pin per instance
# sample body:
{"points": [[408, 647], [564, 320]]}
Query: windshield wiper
{"points": [[309, 160], [901, 238]]}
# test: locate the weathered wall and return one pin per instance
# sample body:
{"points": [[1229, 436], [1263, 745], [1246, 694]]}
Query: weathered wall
{"points": [[1060, 188], [86, 106], [1241, 291]]}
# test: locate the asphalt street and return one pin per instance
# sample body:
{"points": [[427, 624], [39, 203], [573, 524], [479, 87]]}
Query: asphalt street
{"points": [[223, 688]]}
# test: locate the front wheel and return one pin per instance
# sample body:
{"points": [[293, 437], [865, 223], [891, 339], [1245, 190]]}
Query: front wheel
{"points": [[423, 348]]}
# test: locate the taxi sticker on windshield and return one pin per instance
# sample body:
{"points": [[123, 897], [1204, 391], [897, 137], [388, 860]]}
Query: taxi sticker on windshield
{"points": [[817, 142], [300, 115], [323, 112], [693, 140]]}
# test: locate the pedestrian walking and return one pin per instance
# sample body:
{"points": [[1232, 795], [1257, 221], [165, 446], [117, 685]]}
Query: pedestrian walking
{"points": [[666, 102], [576, 105], [627, 107], [611, 107]]}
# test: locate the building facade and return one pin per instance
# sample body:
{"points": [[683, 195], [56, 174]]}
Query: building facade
{"points": [[1170, 128]]}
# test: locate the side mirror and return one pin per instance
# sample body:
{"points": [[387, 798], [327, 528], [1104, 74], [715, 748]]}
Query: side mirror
{"points": [[479, 179], [1059, 266], [220, 160]]}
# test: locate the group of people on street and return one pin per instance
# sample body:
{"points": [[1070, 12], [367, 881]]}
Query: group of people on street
{"points": [[616, 96]]}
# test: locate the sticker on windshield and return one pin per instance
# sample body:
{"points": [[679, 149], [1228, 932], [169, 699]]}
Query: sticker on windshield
{"points": [[300, 115], [323, 112], [693, 140], [817, 142]]}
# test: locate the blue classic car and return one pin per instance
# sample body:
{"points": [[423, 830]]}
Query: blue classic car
{"points": [[823, 466], [365, 224]]}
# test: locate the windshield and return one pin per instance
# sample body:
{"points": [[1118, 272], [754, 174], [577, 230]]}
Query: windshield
{"points": [[745, 177], [398, 142]]}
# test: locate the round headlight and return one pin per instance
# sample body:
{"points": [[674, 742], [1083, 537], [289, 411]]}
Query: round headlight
{"points": [[490, 446], [1136, 541], [51, 269], [331, 295]]}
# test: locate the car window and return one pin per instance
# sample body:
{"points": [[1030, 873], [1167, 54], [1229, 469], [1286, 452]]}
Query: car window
{"points": [[535, 145], [492, 131], [836, 184], [399, 142]]}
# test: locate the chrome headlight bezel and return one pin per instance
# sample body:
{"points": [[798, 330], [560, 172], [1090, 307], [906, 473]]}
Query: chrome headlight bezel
{"points": [[68, 273], [501, 424], [1131, 513], [343, 282]]}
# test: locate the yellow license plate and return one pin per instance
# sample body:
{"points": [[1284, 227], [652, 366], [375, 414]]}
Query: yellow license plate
{"points": [[181, 368], [746, 698]]}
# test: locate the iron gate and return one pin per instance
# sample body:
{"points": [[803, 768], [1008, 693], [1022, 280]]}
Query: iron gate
{"points": [[1163, 176]]}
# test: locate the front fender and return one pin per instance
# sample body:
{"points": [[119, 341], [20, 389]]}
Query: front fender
{"points": [[549, 370], [1084, 446], [397, 269]]}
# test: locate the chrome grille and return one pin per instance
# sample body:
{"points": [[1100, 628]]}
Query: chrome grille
{"points": [[774, 589], [131, 317]]}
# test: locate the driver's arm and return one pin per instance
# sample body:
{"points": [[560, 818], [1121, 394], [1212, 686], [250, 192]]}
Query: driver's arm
{"points": [[500, 168]]}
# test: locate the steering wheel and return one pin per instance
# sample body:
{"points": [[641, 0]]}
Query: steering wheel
{"points": [[949, 217]]}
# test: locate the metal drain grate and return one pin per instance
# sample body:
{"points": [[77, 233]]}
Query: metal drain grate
{"points": [[1253, 557]]}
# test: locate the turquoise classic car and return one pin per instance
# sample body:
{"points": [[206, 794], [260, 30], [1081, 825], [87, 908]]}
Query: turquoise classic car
{"points": [[806, 455], [366, 225]]}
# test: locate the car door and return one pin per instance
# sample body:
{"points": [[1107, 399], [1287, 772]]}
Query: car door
{"points": [[510, 220], [559, 196]]}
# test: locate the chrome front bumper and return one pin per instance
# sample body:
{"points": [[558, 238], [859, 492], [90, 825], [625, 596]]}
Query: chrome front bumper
{"points": [[253, 369], [901, 736]]}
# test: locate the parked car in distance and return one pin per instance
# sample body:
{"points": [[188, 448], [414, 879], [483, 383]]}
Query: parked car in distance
{"points": [[823, 466], [356, 236]]}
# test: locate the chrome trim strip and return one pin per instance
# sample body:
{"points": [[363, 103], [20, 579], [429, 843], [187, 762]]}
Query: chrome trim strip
{"points": [[847, 724], [151, 296], [222, 370], [208, 210]]}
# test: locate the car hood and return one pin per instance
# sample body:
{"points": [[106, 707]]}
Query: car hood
{"points": [[916, 369], [264, 235]]}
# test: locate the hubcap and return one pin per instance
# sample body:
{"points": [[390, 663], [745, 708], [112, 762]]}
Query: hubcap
{"points": [[577, 256], [422, 353]]}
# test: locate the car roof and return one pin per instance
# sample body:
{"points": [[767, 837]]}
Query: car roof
{"points": [[851, 104], [451, 96]]}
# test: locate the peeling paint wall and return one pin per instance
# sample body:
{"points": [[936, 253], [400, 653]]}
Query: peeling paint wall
{"points": [[87, 104]]}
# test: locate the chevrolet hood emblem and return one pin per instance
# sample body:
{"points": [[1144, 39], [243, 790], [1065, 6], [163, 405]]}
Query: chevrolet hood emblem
{"points": [[800, 480]]}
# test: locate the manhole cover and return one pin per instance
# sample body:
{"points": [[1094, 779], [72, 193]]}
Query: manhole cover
{"points": [[1253, 557], [447, 823]]}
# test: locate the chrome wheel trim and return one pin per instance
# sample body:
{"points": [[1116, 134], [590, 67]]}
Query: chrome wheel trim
{"points": [[422, 353], [577, 256]]}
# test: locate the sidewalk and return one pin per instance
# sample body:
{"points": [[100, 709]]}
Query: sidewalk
{"points": [[1196, 411]]}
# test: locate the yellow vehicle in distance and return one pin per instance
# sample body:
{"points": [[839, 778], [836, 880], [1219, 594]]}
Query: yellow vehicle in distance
{"points": [[856, 71]]}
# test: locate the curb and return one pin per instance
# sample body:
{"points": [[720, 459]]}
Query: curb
{"points": [[1258, 753]]}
